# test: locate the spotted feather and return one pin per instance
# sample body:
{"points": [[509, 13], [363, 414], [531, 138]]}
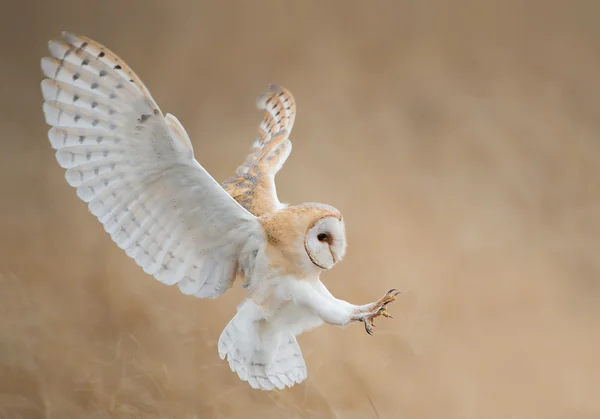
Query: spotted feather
{"points": [[136, 170], [253, 185]]}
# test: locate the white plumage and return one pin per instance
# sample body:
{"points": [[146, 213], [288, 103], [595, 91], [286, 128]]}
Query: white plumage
{"points": [[156, 202], [266, 357], [137, 172]]}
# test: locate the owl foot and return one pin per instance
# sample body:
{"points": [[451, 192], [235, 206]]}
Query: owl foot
{"points": [[378, 309]]}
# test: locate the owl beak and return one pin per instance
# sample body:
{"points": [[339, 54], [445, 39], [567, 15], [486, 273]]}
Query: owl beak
{"points": [[333, 255]]}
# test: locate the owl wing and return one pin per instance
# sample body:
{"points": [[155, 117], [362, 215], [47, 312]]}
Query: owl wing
{"points": [[137, 172], [253, 185]]}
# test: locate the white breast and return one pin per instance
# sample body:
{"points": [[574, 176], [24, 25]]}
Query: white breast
{"points": [[284, 316], [292, 319]]}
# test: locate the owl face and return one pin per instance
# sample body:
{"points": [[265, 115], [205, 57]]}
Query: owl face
{"points": [[308, 238], [325, 241]]}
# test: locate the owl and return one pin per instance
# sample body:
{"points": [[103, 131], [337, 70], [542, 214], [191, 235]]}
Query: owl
{"points": [[135, 168]]}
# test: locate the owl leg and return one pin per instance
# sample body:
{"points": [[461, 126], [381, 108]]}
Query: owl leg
{"points": [[334, 311], [377, 309]]}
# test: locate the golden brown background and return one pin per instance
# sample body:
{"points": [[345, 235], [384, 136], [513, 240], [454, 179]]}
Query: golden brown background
{"points": [[460, 139]]}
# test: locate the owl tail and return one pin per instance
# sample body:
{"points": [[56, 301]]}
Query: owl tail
{"points": [[264, 357]]}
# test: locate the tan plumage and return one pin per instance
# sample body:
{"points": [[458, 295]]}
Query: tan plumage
{"points": [[136, 169], [253, 186]]}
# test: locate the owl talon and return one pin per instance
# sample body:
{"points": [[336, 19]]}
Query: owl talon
{"points": [[379, 309], [367, 327], [386, 314], [388, 298]]}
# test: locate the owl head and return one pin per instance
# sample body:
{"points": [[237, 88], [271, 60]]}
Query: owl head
{"points": [[310, 236], [325, 240]]}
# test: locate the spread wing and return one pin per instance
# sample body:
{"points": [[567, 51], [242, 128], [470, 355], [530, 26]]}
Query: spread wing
{"points": [[137, 172], [253, 185]]}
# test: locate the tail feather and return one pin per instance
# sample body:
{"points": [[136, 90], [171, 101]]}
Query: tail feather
{"points": [[265, 358]]}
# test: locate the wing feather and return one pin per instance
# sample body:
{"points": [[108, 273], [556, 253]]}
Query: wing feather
{"points": [[137, 172], [253, 185]]}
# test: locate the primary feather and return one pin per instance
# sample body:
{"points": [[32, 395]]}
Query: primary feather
{"points": [[253, 185], [137, 172]]}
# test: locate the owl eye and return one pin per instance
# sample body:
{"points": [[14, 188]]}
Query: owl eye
{"points": [[322, 237]]}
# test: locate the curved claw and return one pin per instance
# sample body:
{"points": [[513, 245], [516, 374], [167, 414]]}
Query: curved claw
{"points": [[367, 327], [379, 309], [389, 296]]}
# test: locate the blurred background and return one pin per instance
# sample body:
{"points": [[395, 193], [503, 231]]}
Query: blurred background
{"points": [[459, 139]]}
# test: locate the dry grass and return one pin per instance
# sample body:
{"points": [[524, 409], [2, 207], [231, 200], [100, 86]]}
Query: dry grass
{"points": [[459, 139]]}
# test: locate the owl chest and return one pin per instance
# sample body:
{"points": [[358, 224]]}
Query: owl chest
{"points": [[284, 314], [292, 318]]}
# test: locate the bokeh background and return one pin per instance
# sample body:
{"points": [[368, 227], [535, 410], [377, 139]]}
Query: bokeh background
{"points": [[461, 141]]}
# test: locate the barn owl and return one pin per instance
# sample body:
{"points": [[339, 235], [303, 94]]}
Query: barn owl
{"points": [[135, 168]]}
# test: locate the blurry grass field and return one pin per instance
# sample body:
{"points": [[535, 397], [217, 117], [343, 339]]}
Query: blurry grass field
{"points": [[460, 141]]}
